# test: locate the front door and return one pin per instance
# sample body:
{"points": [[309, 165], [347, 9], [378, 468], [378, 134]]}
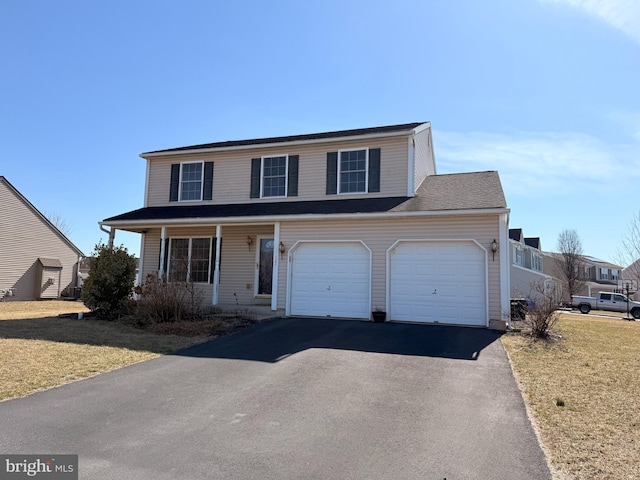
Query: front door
{"points": [[264, 266]]}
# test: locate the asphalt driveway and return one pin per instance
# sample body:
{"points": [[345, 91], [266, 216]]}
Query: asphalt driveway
{"points": [[295, 399]]}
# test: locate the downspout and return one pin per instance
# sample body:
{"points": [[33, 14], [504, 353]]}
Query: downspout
{"points": [[111, 233]]}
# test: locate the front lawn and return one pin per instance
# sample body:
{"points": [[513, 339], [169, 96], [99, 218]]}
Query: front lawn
{"points": [[39, 350], [583, 391]]}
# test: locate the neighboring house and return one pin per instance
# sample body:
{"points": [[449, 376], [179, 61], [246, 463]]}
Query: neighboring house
{"points": [[332, 224], [594, 275], [526, 258], [630, 279], [84, 266], [36, 260]]}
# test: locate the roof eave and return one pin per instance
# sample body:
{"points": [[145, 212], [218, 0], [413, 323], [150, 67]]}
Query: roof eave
{"points": [[141, 224], [369, 136]]}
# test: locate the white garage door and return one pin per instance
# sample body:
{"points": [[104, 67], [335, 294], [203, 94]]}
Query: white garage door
{"points": [[330, 279], [443, 282]]}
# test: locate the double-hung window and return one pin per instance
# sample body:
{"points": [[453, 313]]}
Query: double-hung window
{"points": [[274, 176], [191, 175], [353, 171], [190, 260]]}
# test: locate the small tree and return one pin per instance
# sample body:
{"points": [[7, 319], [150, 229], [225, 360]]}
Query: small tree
{"points": [[58, 221], [570, 261], [110, 283]]}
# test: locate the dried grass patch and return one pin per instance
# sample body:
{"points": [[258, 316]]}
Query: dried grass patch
{"points": [[39, 351], [584, 393]]}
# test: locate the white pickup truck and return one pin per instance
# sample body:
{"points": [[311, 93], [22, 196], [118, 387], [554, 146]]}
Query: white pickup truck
{"points": [[614, 302]]}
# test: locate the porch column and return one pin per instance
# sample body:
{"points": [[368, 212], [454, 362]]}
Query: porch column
{"points": [[276, 257], [141, 261], [216, 266], [163, 236]]}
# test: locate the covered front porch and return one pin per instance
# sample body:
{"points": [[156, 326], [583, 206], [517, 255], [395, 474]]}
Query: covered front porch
{"points": [[232, 266]]}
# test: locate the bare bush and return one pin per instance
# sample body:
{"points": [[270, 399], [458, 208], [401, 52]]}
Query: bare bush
{"points": [[542, 314], [162, 301]]}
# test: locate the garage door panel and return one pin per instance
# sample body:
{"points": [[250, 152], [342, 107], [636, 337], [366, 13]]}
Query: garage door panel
{"points": [[330, 279], [441, 282]]}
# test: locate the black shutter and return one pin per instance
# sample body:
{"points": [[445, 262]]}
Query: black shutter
{"points": [[175, 182], [374, 169], [207, 193], [292, 181], [255, 177], [332, 173]]}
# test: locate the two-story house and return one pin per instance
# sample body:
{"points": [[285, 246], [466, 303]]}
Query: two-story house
{"points": [[594, 275], [333, 224], [526, 259]]}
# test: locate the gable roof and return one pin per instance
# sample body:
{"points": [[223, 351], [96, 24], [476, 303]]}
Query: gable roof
{"points": [[405, 127], [515, 234], [533, 242], [50, 262], [438, 193], [37, 212]]}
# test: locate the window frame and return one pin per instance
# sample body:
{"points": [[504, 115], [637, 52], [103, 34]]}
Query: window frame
{"points": [[518, 256], [286, 175], [180, 181], [189, 254], [366, 171]]}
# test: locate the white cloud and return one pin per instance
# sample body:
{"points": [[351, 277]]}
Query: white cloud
{"points": [[621, 14], [534, 164]]}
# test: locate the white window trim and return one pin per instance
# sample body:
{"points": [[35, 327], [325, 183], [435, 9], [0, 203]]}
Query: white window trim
{"points": [[286, 175], [201, 183], [168, 272], [366, 171]]}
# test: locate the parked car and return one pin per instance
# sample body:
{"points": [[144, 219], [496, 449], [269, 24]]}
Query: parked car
{"points": [[613, 302]]}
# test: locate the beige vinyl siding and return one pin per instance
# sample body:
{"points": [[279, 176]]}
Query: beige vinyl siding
{"points": [[232, 171], [24, 237], [424, 158], [237, 261], [48, 289], [380, 234]]}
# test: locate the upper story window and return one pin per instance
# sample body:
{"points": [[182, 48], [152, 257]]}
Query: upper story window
{"points": [[191, 175], [536, 262], [517, 255], [191, 182], [274, 176], [352, 171]]}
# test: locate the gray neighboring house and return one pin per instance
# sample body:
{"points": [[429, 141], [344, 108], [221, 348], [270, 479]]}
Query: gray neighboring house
{"points": [[333, 224], [37, 261], [595, 275], [526, 259]]}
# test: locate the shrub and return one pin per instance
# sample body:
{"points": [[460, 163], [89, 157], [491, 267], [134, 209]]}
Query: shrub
{"points": [[543, 314], [162, 301], [110, 283]]}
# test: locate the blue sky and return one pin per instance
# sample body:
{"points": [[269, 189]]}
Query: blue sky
{"points": [[547, 92]]}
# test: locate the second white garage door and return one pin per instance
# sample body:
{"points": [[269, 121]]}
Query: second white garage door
{"points": [[444, 282], [330, 279]]}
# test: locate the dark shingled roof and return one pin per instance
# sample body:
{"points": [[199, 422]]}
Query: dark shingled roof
{"points": [[515, 234], [295, 138], [533, 242], [461, 191]]}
